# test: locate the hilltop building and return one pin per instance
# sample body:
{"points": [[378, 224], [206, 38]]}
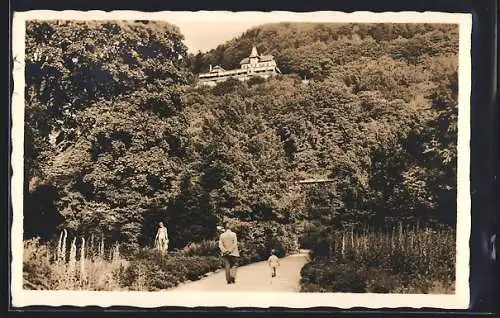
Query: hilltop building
{"points": [[255, 65]]}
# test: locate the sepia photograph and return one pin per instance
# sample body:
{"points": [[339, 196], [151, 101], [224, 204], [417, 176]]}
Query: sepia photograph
{"points": [[165, 158]]}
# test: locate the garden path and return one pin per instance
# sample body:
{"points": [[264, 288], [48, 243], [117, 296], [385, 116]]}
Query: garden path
{"points": [[254, 277]]}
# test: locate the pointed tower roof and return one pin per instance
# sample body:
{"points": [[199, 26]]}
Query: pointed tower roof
{"points": [[254, 52]]}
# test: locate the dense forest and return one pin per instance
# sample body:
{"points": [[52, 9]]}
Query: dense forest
{"points": [[118, 137]]}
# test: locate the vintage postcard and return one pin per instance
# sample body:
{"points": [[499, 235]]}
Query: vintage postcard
{"points": [[241, 159]]}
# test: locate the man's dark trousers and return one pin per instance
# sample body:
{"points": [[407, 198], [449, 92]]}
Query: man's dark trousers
{"points": [[230, 267]]}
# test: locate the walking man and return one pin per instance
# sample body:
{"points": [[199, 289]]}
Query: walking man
{"points": [[228, 244], [161, 239]]}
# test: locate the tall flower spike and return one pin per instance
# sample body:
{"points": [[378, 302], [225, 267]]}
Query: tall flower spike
{"points": [[72, 259], [82, 261], [59, 248], [63, 248]]}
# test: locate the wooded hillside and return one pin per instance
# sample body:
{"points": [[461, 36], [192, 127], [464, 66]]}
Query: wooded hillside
{"points": [[116, 140]]}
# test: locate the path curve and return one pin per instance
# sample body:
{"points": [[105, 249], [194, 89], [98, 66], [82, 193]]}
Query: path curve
{"points": [[254, 277]]}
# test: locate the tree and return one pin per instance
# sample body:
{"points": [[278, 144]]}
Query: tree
{"points": [[117, 142], [82, 115]]}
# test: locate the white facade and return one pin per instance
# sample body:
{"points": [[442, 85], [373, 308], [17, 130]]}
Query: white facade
{"points": [[255, 65]]}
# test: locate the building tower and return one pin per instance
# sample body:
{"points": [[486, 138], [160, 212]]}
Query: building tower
{"points": [[254, 57]]}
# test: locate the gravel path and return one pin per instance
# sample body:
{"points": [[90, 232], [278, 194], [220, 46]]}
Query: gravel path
{"points": [[254, 277]]}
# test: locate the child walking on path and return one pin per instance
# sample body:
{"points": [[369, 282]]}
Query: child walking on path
{"points": [[273, 262]]}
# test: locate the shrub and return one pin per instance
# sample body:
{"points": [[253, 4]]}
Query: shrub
{"points": [[331, 276], [348, 278], [38, 271], [150, 270], [145, 270], [312, 288], [43, 270], [382, 281], [255, 80], [228, 86], [401, 261], [203, 248]]}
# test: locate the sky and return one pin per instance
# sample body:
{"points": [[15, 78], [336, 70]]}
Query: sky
{"points": [[203, 36], [205, 30]]}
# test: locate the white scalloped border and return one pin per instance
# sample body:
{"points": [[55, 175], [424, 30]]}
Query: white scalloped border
{"points": [[460, 300]]}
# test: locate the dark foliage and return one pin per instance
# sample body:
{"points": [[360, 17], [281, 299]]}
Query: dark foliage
{"points": [[116, 141], [151, 270], [400, 261]]}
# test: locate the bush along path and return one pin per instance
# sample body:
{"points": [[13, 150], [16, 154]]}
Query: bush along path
{"points": [[254, 277], [413, 261], [92, 267]]}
